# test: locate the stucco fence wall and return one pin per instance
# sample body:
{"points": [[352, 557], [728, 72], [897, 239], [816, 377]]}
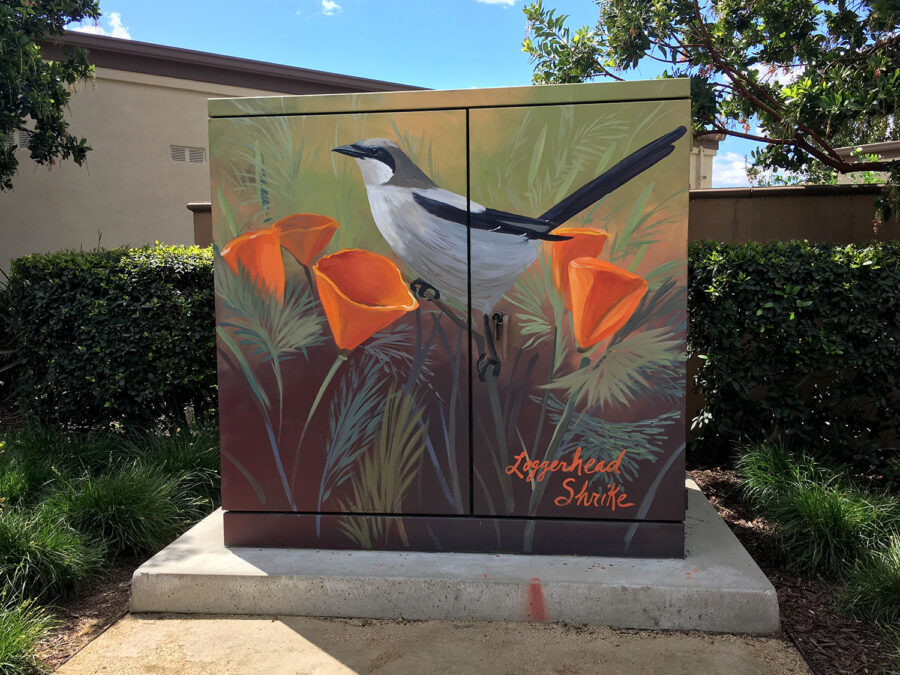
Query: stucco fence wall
{"points": [[842, 214]]}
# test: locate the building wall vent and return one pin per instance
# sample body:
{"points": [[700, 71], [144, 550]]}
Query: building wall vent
{"points": [[181, 153], [22, 139]]}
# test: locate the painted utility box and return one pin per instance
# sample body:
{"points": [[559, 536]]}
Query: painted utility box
{"points": [[454, 320]]}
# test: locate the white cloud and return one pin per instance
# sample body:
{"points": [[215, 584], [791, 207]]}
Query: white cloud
{"points": [[330, 8], [505, 3], [782, 76], [729, 170], [114, 27]]}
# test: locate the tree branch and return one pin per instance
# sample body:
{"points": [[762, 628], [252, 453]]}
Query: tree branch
{"points": [[718, 129], [742, 83], [609, 73]]}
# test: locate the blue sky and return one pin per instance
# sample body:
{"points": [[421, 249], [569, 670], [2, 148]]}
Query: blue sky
{"points": [[442, 44]]}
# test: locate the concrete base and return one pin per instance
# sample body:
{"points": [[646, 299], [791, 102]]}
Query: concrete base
{"points": [[716, 587]]}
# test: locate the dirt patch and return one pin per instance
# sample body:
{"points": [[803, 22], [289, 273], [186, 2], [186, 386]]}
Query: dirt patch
{"points": [[830, 642], [84, 619]]}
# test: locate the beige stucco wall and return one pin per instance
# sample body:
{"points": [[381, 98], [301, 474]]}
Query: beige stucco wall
{"points": [[841, 214], [129, 191]]}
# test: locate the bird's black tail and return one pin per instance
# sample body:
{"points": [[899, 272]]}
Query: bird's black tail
{"points": [[637, 162]]}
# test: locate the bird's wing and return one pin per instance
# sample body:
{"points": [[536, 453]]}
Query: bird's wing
{"points": [[482, 218]]}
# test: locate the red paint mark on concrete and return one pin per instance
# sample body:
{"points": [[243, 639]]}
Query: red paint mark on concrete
{"points": [[485, 576], [534, 601]]}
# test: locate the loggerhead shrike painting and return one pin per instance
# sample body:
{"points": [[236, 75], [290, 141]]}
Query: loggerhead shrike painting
{"points": [[363, 402], [426, 226]]}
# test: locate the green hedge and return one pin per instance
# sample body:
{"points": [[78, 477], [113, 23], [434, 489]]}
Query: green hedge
{"points": [[799, 341], [124, 335], [796, 340]]}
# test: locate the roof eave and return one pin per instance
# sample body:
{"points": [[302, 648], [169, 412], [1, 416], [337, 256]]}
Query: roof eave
{"points": [[153, 59]]}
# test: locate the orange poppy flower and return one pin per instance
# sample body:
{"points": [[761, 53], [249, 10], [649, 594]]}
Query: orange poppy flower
{"points": [[259, 252], [603, 298], [584, 242], [305, 235], [361, 293]]}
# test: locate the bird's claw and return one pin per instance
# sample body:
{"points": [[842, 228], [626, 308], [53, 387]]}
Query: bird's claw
{"points": [[485, 363], [421, 288]]}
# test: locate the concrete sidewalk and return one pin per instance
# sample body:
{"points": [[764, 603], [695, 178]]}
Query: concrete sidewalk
{"points": [[189, 645]]}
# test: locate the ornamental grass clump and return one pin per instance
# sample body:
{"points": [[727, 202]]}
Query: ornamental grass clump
{"points": [[22, 625], [872, 591], [769, 471], [191, 455], [35, 455], [825, 523], [44, 555], [134, 509], [827, 528]]}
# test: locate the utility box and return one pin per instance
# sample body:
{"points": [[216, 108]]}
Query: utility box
{"points": [[454, 320]]}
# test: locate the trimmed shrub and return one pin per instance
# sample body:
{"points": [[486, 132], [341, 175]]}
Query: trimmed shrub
{"points": [[801, 341], [124, 335], [795, 340]]}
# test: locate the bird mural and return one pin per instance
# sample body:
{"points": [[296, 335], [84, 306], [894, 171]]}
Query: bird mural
{"points": [[457, 246]]}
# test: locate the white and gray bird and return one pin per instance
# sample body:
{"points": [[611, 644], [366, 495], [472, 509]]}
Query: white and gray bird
{"points": [[426, 226]]}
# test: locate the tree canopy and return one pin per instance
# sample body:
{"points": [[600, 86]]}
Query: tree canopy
{"points": [[801, 77], [34, 92]]}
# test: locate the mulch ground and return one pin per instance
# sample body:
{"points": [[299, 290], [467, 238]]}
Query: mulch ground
{"points": [[82, 620], [829, 641]]}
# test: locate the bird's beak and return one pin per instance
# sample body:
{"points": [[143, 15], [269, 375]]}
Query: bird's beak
{"points": [[349, 150]]}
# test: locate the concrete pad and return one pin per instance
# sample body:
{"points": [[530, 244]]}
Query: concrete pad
{"points": [[717, 587], [189, 645]]}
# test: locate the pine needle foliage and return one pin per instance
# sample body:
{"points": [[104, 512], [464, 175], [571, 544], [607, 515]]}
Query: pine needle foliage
{"points": [[354, 416], [271, 330], [386, 471]]}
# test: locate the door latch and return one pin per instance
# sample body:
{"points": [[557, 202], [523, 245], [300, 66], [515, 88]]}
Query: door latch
{"points": [[498, 319]]}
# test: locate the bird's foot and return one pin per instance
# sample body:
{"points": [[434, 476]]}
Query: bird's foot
{"points": [[423, 289], [486, 363]]}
